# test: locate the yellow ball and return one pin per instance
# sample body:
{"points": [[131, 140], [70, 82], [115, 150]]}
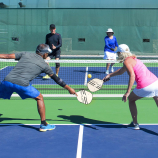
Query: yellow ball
{"points": [[89, 75]]}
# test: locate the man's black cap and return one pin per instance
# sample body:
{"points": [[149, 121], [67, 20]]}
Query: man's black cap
{"points": [[52, 26]]}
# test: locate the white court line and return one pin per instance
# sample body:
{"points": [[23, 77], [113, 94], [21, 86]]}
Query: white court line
{"points": [[83, 61], [80, 139], [49, 83], [72, 96], [86, 74], [39, 124], [3, 68], [119, 124], [153, 124]]}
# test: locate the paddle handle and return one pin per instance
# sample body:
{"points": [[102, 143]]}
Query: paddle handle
{"points": [[106, 79]]}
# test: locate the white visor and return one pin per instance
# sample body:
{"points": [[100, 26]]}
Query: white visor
{"points": [[123, 48]]}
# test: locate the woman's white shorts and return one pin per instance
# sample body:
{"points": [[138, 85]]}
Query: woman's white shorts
{"points": [[109, 55], [149, 91]]}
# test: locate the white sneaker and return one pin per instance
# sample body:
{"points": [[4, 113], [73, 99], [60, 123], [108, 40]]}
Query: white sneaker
{"points": [[107, 72], [111, 69]]}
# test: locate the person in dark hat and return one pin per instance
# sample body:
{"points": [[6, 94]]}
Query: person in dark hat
{"points": [[54, 41]]}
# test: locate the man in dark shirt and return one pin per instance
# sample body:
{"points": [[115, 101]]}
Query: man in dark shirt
{"points": [[54, 41], [30, 65]]}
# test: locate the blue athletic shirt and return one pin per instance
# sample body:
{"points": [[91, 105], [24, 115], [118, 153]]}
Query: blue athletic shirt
{"points": [[110, 43]]}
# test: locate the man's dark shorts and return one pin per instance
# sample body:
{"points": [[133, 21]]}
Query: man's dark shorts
{"points": [[56, 55], [8, 88]]}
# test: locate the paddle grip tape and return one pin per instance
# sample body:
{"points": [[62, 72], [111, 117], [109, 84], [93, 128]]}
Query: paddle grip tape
{"points": [[57, 65], [107, 79], [58, 80]]}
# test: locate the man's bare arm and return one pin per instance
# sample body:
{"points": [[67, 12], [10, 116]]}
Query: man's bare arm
{"points": [[7, 56]]}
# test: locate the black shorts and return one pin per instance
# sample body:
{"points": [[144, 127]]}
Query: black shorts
{"points": [[56, 55]]}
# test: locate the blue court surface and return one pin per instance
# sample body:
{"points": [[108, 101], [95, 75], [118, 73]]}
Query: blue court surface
{"points": [[76, 141], [77, 75]]}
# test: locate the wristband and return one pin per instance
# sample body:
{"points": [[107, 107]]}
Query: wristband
{"points": [[58, 80]]}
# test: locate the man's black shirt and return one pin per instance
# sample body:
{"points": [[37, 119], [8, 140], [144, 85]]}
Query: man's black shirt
{"points": [[54, 39]]}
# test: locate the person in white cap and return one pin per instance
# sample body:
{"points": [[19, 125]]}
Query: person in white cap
{"points": [[147, 82], [109, 49]]}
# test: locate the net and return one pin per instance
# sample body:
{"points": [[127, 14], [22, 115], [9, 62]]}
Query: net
{"points": [[75, 74]]}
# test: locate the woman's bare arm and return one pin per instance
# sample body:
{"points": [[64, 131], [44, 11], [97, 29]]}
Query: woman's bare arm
{"points": [[129, 66]]}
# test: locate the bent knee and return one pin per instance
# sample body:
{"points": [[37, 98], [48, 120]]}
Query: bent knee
{"points": [[131, 99], [40, 97], [57, 65]]}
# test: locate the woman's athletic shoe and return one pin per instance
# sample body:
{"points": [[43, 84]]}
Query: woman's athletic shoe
{"points": [[133, 126]]}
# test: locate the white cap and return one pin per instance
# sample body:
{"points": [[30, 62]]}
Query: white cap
{"points": [[123, 48], [110, 30]]}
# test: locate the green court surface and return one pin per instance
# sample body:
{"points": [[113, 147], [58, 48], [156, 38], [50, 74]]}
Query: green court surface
{"points": [[5, 63], [70, 111], [106, 89]]}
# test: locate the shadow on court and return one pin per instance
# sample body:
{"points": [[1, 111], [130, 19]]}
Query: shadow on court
{"points": [[19, 124], [13, 119], [149, 131], [82, 120], [77, 119], [24, 126], [29, 127], [92, 72]]}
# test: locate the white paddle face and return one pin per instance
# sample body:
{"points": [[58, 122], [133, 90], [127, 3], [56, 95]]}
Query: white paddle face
{"points": [[84, 97], [95, 84]]}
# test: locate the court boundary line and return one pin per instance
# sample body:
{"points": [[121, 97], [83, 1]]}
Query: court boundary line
{"points": [[80, 140], [72, 96], [13, 124], [3, 68], [86, 74], [36, 124], [81, 61]]}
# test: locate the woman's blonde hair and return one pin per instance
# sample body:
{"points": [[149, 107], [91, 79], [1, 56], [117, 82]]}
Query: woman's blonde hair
{"points": [[123, 55]]}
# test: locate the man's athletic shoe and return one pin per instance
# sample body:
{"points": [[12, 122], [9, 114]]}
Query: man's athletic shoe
{"points": [[107, 72], [46, 77], [44, 128], [133, 126], [57, 75], [111, 69]]}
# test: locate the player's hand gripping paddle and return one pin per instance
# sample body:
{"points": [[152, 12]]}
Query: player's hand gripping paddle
{"points": [[95, 84], [84, 97]]}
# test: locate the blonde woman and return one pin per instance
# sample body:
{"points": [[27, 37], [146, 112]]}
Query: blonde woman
{"points": [[147, 82]]}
